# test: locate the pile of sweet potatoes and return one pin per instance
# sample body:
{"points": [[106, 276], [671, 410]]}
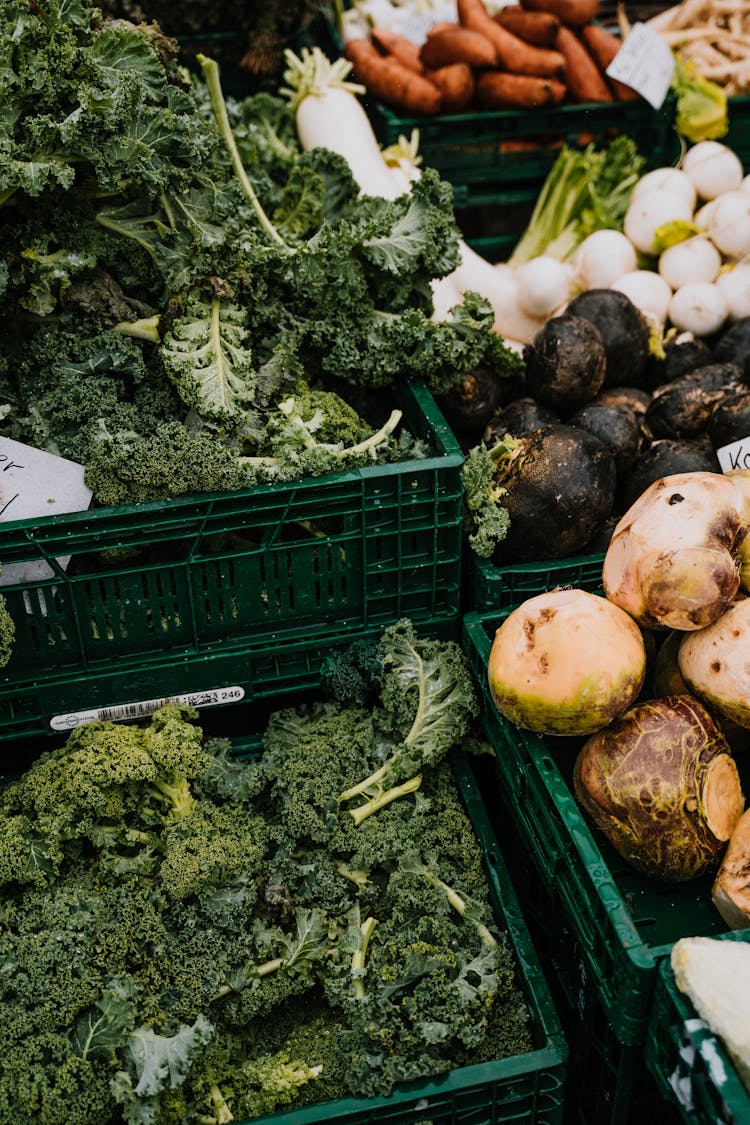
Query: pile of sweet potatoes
{"points": [[530, 54]]}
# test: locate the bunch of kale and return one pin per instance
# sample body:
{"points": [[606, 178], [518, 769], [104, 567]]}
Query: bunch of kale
{"points": [[189, 938], [188, 299]]}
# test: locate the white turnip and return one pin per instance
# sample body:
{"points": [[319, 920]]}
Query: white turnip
{"points": [[543, 285], [695, 259], [729, 224], [698, 307], [650, 211], [566, 662], [602, 257], [672, 559], [713, 168], [734, 286], [666, 179], [648, 291]]}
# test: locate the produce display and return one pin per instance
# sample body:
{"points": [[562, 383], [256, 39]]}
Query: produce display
{"points": [[656, 773], [203, 292], [530, 55], [256, 33], [673, 239], [198, 938], [175, 326]]}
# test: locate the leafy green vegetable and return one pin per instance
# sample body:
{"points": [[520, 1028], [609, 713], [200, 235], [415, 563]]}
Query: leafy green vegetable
{"points": [[702, 109], [207, 358], [187, 295], [586, 190], [486, 521], [189, 938]]}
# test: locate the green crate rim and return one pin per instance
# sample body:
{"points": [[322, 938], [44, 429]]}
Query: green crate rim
{"points": [[200, 638], [721, 1071], [551, 1056], [54, 532], [641, 959], [492, 585]]}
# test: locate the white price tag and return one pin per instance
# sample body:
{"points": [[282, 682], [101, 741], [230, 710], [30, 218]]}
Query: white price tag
{"points": [[33, 484], [215, 697], [645, 63], [734, 456]]}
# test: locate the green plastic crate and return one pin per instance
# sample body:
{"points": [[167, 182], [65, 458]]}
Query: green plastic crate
{"points": [[606, 1082], [690, 1064], [513, 146], [230, 590], [494, 587], [623, 922], [527, 1087], [510, 146], [523, 1088]]}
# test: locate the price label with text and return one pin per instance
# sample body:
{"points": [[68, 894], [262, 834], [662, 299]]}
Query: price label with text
{"points": [[645, 63], [34, 484]]}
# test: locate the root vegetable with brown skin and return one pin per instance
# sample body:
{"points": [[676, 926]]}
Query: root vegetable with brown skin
{"points": [[731, 890], [715, 664], [741, 478], [672, 561], [566, 662], [660, 782]]}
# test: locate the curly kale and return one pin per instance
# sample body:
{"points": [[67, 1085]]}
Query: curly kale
{"points": [[188, 938], [353, 675], [486, 521], [126, 467], [83, 95], [428, 699]]}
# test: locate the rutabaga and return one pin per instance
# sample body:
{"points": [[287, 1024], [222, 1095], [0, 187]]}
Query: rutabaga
{"points": [[715, 664], [672, 559], [566, 662], [660, 782], [731, 890], [715, 974]]}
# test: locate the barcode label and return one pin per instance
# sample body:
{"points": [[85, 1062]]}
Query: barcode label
{"points": [[137, 710]]}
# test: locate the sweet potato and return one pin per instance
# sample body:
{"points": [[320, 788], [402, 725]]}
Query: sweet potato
{"points": [[603, 46], [539, 28], [387, 79], [457, 44], [513, 54], [583, 78], [456, 83], [391, 43], [575, 13], [496, 89]]}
